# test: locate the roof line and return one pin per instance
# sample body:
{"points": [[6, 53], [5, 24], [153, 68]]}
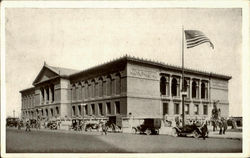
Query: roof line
{"points": [[155, 63]]}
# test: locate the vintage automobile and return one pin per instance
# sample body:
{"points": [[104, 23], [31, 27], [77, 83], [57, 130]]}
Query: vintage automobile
{"points": [[12, 122], [77, 124], [191, 130], [149, 126], [33, 123], [52, 124]]}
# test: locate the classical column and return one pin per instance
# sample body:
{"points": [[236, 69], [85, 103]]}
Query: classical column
{"points": [[206, 92], [178, 87], [41, 97], [79, 91], [190, 89], [199, 84], [83, 91], [170, 85], [45, 95], [50, 95]]}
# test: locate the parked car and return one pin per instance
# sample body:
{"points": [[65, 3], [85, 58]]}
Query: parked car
{"points": [[52, 125], [12, 122], [191, 130], [149, 126], [77, 124]]}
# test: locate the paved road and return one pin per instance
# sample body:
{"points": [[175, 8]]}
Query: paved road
{"points": [[54, 142]]}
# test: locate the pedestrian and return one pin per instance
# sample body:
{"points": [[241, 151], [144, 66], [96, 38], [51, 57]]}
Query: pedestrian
{"points": [[28, 126], [19, 125], [204, 130], [224, 125], [104, 128], [220, 124]]}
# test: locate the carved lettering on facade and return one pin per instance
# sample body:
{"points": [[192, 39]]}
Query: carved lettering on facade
{"points": [[219, 84], [143, 73]]}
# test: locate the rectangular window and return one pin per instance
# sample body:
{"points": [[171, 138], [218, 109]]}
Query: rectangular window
{"points": [[93, 109], [165, 108], [73, 111], [187, 109], [86, 110], [79, 110], [196, 109], [108, 108], [51, 111], [100, 108], [117, 107], [176, 108], [204, 109]]}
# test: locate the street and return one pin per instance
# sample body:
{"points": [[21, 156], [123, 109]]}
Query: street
{"points": [[19, 141]]}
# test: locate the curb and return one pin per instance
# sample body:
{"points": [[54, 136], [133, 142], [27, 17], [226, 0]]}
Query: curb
{"points": [[98, 133]]}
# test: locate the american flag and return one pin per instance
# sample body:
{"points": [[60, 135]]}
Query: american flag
{"points": [[195, 38]]}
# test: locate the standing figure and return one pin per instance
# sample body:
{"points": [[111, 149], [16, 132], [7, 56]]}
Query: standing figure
{"points": [[215, 116], [224, 125], [19, 125], [28, 126], [104, 128]]}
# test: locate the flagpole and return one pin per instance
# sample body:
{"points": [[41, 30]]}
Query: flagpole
{"points": [[182, 95]]}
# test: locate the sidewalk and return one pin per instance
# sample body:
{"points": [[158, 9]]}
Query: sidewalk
{"points": [[62, 131], [228, 135], [164, 131]]}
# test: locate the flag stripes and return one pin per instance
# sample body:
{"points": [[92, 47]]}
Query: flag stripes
{"points": [[195, 38]]}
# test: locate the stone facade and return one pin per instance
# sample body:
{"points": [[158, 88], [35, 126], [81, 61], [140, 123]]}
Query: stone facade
{"points": [[128, 87]]}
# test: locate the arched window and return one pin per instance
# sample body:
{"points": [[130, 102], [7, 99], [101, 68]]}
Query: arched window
{"points": [[185, 85], [52, 93], [109, 85], [73, 92], [96, 89], [118, 84], [78, 91], [47, 93], [203, 90], [89, 90], [83, 87], [163, 85], [174, 87], [93, 88], [194, 89], [100, 86], [86, 87]]}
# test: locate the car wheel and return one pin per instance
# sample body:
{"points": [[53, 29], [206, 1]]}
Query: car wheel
{"points": [[134, 130], [174, 132], [148, 132], [196, 135], [157, 132]]}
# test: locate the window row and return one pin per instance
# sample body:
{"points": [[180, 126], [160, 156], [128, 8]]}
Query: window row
{"points": [[28, 101], [171, 87], [196, 111], [99, 109], [97, 88], [47, 94]]}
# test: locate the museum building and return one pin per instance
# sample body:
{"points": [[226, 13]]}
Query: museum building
{"points": [[129, 87]]}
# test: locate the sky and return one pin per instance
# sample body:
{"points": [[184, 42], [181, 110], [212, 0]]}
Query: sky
{"points": [[82, 38]]}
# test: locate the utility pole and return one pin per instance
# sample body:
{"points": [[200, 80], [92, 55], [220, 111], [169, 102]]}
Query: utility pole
{"points": [[183, 87], [13, 113]]}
